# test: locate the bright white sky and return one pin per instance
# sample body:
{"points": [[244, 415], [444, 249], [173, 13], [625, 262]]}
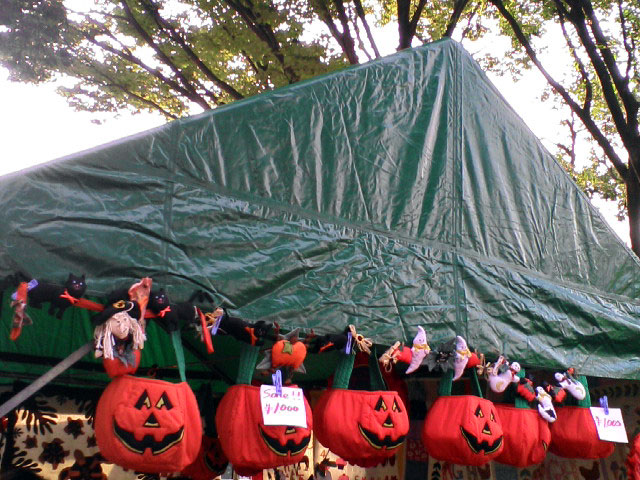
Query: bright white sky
{"points": [[37, 125]]}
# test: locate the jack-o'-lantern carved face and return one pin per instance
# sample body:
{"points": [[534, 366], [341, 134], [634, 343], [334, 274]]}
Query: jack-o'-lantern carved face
{"points": [[463, 429], [481, 430], [380, 431], [362, 427], [248, 443], [149, 425], [150, 413]]}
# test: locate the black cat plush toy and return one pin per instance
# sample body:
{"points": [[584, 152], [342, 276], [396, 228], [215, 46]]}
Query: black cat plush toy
{"points": [[174, 314], [59, 296]]}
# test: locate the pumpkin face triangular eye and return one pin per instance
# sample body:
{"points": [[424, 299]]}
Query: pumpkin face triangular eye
{"points": [[164, 402], [396, 407], [143, 401], [493, 418], [479, 413], [381, 405]]}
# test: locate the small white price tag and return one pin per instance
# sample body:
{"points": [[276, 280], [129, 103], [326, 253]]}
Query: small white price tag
{"points": [[610, 427], [287, 409]]}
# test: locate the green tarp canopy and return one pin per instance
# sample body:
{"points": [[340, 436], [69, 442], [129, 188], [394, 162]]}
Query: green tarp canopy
{"points": [[398, 193]]}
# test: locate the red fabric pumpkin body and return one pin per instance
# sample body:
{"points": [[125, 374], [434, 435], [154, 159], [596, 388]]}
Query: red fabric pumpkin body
{"points": [[148, 425], [250, 445], [574, 435], [210, 462], [115, 368], [526, 436], [362, 427], [463, 429]]}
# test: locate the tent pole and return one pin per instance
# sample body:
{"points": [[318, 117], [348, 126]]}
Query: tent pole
{"points": [[40, 382]]}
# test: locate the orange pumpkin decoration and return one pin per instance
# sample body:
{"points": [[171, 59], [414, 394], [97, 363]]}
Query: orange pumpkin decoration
{"points": [[526, 433], [210, 463], [574, 433], [363, 427], [287, 354], [250, 445], [462, 429], [148, 425]]}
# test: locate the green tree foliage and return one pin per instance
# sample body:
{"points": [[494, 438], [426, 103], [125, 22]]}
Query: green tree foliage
{"points": [[177, 56]]}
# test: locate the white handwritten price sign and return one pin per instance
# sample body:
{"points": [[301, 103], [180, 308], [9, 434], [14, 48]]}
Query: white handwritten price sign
{"points": [[610, 427], [287, 409]]}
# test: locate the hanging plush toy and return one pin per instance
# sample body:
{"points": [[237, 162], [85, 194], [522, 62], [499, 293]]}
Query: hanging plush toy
{"points": [[397, 352], [331, 341], [58, 296], [251, 333], [442, 358], [502, 374], [174, 314], [568, 382], [545, 405], [119, 332], [287, 352], [20, 317], [463, 354], [419, 350]]}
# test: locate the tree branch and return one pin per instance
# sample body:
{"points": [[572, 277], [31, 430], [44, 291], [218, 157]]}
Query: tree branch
{"points": [[562, 12], [363, 19], [630, 48], [153, 10], [325, 16], [582, 114], [347, 40], [413, 23], [265, 33], [194, 96], [621, 83], [126, 91], [125, 55], [458, 8]]}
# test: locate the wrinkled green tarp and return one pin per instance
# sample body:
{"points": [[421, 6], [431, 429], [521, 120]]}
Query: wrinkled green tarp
{"points": [[398, 193]]}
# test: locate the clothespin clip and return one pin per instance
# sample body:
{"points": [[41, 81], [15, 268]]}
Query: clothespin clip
{"points": [[604, 403], [277, 382], [349, 346], [30, 285], [218, 316]]}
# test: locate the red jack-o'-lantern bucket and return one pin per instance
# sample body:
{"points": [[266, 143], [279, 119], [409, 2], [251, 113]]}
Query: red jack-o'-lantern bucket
{"points": [[247, 442], [526, 433], [462, 429], [574, 433], [149, 425], [362, 427]]}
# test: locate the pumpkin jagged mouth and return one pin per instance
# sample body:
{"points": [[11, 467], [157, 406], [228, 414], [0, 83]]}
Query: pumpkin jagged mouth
{"points": [[378, 444], [139, 446], [477, 446], [290, 448]]}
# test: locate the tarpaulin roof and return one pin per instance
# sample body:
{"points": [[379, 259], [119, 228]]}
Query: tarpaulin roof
{"points": [[398, 193]]}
